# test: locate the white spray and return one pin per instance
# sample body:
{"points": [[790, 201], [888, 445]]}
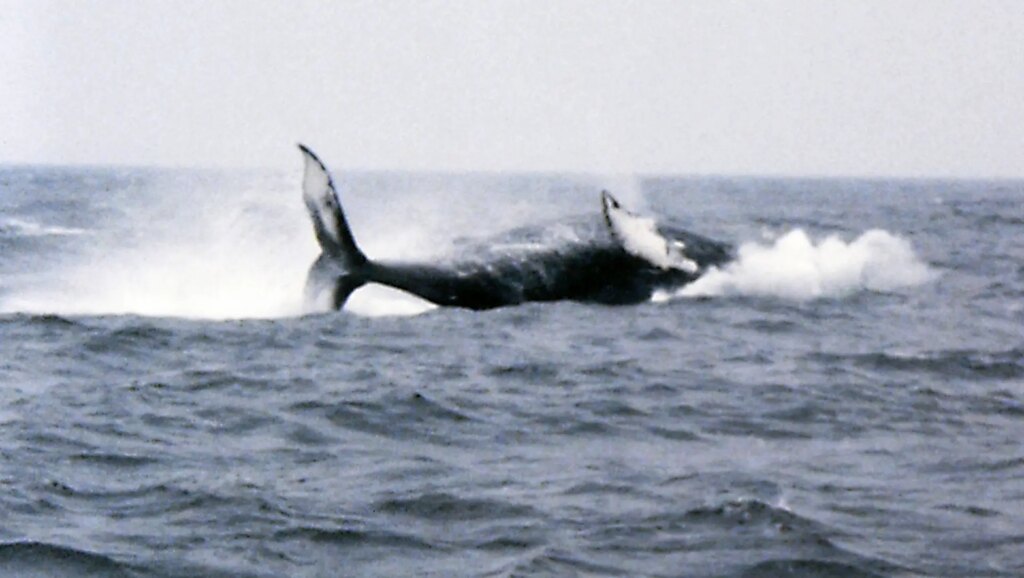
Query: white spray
{"points": [[794, 267]]}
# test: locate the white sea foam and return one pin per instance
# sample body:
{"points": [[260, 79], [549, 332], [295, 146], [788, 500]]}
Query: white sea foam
{"points": [[795, 267]]}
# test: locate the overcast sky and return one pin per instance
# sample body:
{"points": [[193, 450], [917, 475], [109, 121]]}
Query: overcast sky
{"points": [[897, 88]]}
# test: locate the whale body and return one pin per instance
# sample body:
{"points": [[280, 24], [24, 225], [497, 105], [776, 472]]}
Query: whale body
{"points": [[622, 261]]}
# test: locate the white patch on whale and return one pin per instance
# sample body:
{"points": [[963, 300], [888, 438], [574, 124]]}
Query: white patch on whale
{"points": [[639, 236]]}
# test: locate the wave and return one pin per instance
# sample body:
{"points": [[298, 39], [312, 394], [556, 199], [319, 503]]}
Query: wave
{"points": [[961, 363], [807, 568], [553, 561], [795, 267], [15, 227], [44, 559], [754, 512], [352, 537]]}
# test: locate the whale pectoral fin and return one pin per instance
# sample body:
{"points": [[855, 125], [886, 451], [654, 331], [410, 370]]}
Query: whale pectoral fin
{"points": [[616, 217], [609, 204], [640, 237]]}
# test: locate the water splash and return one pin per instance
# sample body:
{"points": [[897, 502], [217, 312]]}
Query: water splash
{"points": [[183, 245], [795, 267]]}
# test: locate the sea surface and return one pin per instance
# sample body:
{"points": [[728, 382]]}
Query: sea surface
{"points": [[846, 399]]}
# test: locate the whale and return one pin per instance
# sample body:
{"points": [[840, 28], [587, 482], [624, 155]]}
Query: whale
{"points": [[623, 258]]}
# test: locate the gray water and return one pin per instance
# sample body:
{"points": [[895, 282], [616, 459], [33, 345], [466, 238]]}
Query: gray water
{"points": [[168, 409]]}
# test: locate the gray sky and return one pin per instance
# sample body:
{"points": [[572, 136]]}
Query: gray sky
{"points": [[901, 88]]}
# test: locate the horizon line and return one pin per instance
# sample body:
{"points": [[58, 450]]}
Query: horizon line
{"points": [[453, 172]]}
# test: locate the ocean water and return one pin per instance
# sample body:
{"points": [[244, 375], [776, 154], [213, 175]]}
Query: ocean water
{"points": [[846, 399]]}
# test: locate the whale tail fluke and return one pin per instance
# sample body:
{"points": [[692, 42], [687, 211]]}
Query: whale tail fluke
{"points": [[342, 267], [332, 231]]}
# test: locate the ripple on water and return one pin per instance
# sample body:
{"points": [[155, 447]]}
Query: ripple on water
{"points": [[351, 537], [446, 506]]}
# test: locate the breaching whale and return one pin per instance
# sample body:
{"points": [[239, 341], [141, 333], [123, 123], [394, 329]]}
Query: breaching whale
{"points": [[624, 261]]}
